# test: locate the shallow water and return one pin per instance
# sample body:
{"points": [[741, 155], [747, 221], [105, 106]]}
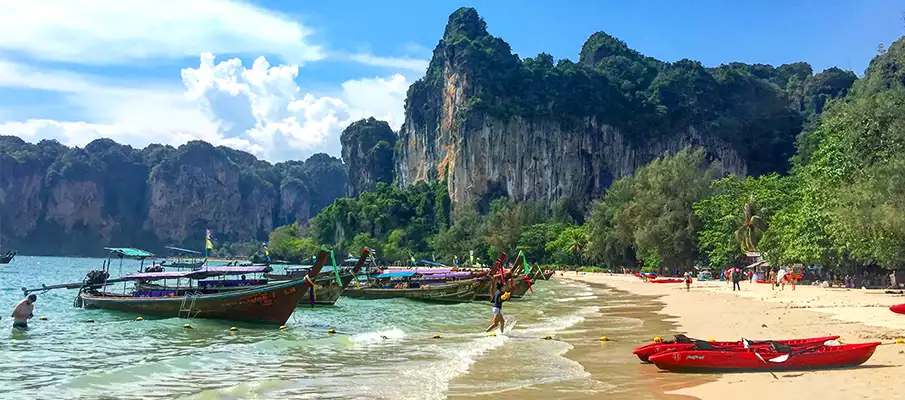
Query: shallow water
{"points": [[119, 357]]}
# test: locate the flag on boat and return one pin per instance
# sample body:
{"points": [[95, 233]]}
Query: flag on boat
{"points": [[208, 244]]}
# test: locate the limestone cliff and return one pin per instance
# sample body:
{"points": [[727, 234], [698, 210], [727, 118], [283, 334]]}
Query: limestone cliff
{"points": [[368, 154], [60, 200], [495, 125]]}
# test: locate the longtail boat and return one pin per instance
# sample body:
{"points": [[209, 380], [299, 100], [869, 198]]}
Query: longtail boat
{"points": [[450, 292], [269, 304], [6, 258], [185, 258], [326, 289], [485, 291]]}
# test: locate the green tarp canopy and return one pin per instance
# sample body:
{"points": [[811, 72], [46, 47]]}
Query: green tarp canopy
{"points": [[129, 252]]}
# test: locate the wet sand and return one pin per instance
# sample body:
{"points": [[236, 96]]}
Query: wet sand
{"points": [[590, 368], [713, 310]]}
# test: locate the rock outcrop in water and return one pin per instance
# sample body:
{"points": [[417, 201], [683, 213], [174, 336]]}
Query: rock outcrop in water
{"points": [[61, 200], [368, 154], [496, 125]]}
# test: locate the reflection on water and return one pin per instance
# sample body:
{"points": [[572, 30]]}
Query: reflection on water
{"points": [[383, 349]]}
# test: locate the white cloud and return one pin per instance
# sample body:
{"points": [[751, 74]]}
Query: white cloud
{"points": [[411, 64], [264, 104], [118, 32], [258, 109]]}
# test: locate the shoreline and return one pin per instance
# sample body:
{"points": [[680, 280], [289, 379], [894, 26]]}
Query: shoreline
{"points": [[712, 309]]}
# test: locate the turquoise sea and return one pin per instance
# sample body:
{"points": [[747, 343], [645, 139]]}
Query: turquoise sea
{"points": [[383, 349]]}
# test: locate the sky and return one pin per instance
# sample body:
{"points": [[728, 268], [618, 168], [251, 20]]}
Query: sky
{"points": [[282, 79]]}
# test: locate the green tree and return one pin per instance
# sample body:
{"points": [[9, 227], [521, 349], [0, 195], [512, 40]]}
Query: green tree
{"points": [[611, 242], [660, 213]]}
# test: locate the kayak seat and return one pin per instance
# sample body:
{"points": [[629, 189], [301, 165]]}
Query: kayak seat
{"points": [[683, 339], [702, 345], [781, 347]]}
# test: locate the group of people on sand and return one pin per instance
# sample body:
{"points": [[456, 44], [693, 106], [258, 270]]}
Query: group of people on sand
{"points": [[781, 277]]}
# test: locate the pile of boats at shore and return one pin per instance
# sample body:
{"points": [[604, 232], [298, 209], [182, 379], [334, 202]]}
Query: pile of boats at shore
{"points": [[693, 355], [256, 293]]}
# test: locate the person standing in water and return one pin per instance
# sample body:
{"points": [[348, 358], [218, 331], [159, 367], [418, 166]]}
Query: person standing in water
{"points": [[24, 311], [497, 299]]}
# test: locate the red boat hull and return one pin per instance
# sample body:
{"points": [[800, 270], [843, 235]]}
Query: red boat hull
{"points": [[645, 352], [899, 309], [667, 280], [763, 281], [846, 355]]}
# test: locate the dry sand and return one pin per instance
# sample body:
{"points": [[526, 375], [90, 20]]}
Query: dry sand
{"points": [[713, 310]]}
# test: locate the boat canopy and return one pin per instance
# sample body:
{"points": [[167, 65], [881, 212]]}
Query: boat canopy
{"points": [[183, 250], [399, 274], [432, 264], [150, 276], [449, 275], [298, 268], [421, 270], [129, 252], [243, 269], [198, 273]]}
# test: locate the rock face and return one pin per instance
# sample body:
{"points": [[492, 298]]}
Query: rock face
{"points": [[368, 154], [494, 125], [60, 200]]}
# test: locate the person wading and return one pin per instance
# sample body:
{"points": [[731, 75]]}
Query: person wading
{"points": [[24, 311], [497, 299], [736, 278]]}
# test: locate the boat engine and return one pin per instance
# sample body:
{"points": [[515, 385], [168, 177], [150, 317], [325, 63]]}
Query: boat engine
{"points": [[96, 277]]}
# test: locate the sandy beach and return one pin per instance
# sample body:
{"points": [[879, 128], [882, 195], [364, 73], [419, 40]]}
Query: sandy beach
{"points": [[713, 310]]}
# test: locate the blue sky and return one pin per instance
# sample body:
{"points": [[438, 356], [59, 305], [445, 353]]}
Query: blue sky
{"points": [[76, 70]]}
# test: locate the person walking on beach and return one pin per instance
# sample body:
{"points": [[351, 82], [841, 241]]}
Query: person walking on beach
{"points": [[736, 278], [24, 311], [687, 281], [497, 299]]}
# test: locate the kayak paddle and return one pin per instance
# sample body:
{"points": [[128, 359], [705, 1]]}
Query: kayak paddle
{"points": [[785, 357]]}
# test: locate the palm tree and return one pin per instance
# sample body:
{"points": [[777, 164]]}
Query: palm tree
{"points": [[751, 231], [578, 243]]}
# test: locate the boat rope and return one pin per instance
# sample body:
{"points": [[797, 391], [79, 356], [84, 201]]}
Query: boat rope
{"points": [[312, 292]]}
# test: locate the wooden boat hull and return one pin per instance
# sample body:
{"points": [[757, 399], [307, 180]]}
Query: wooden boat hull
{"points": [[453, 292], [5, 259], [326, 291], [267, 304], [520, 287]]}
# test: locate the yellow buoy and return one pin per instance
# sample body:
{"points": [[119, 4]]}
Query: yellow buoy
{"points": [[331, 331], [436, 336], [233, 329], [604, 338], [43, 318], [711, 340], [548, 337], [492, 334], [658, 339], [187, 326], [282, 327], [139, 319], [900, 341]]}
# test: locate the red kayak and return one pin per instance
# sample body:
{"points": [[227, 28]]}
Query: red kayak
{"points": [[683, 343], [899, 309], [667, 280], [763, 281], [843, 355]]}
